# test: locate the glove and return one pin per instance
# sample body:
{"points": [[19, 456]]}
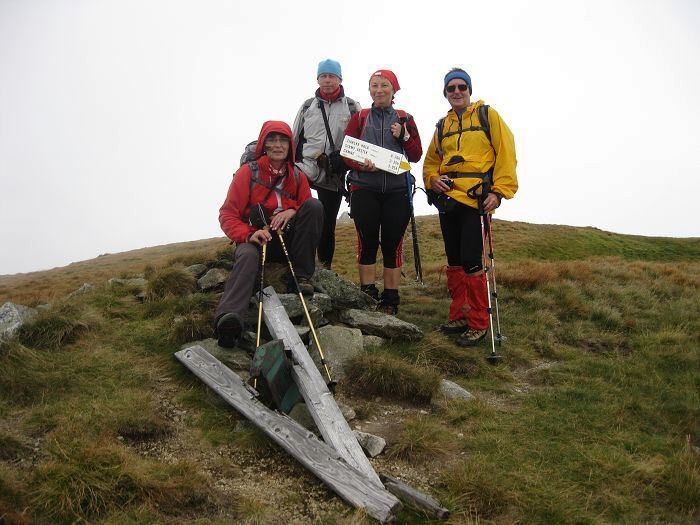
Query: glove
{"points": [[337, 165]]}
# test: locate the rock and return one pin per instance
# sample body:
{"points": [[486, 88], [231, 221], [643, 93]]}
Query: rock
{"points": [[382, 325], [197, 270], [452, 391], [343, 293], [339, 344], [138, 282], [214, 278], [237, 359], [372, 341], [348, 412], [12, 316], [84, 288], [371, 444], [295, 310]]}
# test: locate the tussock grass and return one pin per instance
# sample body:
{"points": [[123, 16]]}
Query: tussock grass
{"points": [[381, 374], [24, 372], [168, 282], [14, 500], [590, 417], [90, 481], [423, 440], [52, 329]]}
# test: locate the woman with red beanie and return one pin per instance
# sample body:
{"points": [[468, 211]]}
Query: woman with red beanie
{"points": [[379, 203]]}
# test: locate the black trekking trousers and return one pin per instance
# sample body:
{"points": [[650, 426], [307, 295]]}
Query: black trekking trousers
{"points": [[380, 219]]}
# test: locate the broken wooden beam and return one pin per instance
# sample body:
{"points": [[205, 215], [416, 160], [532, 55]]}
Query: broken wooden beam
{"points": [[319, 400], [430, 506], [321, 459]]}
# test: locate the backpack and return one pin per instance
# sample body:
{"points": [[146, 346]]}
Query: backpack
{"points": [[443, 202], [482, 113], [249, 158], [403, 118], [352, 106]]}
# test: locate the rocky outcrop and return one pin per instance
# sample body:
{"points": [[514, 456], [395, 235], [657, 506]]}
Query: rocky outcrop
{"points": [[12, 316]]}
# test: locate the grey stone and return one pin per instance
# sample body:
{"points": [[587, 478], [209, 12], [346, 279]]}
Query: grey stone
{"points": [[371, 444], [237, 359], [84, 289], [452, 391], [295, 310], [372, 341], [132, 281], [382, 325], [343, 293], [12, 316], [197, 270], [348, 412], [339, 344], [214, 278]]}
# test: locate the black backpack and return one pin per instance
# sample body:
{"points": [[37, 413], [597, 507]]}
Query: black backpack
{"points": [[482, 113]]}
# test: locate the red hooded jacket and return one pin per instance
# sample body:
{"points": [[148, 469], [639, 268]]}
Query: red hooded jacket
{"points": [[235, 212]]}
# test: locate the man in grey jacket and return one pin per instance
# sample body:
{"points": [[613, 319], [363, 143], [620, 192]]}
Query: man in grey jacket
{"points": [[319, 129]]}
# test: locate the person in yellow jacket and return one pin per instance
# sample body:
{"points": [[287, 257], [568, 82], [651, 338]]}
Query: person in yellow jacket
{"points": [[470, 168]]}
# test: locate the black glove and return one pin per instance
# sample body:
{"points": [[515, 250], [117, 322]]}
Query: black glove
{"points": [[337, 165]]}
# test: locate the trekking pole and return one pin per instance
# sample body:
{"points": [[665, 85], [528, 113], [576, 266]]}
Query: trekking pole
{"points": [[499, 337], [410, 186], [493, 358], [260, 294], [331, 383]]}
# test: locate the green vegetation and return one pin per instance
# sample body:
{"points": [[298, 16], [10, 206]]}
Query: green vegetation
{"points": [[592, 416]]}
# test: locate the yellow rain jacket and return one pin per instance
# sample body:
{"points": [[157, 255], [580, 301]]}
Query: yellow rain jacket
{"points": [[478, 155]]}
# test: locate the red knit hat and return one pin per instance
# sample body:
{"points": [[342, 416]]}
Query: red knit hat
{"points": [[386, 73]]}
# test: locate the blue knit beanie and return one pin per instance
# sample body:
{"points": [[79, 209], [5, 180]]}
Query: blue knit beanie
{"points": [[458, 74], [330, 67]]}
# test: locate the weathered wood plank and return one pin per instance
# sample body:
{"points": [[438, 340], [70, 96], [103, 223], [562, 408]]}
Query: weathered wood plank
{"points": [[319, 400], [321, 459], [414, 497]]}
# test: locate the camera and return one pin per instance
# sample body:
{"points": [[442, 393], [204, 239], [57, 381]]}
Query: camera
{"points": [[450, 183]]}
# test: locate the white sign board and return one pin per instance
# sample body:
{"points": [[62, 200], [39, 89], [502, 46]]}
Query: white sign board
{"points": [[384, 159]]}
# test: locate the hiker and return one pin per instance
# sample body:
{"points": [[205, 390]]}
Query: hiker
{"points": [[273, 181], [318, 133], [473, 163], [380, 203]]}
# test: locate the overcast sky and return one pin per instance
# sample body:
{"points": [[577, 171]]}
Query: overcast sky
{"points": [[121, 121]]}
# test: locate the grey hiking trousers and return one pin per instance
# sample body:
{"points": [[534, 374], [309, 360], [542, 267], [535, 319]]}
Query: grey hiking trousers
{"points": [[301, 241]]}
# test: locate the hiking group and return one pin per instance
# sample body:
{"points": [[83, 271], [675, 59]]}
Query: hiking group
{"points": [[270, 212]]}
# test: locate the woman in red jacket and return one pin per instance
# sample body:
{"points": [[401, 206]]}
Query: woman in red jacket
{"points": [[284, 194]]}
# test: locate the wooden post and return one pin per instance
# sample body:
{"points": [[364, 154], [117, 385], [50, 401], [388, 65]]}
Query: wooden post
{"points": [[319, 400], [321, 459]]}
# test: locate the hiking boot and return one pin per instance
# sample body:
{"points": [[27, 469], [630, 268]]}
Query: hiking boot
{"points": [[389, 302], [454, 326], [371, 290], [471, 337], [228, 329], [306, 287], [389, 309]]}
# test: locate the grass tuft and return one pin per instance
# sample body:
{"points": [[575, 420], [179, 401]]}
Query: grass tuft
{"points": [[681, 481], [423, 440], [52, 329], [173, 281], [386, 375]]}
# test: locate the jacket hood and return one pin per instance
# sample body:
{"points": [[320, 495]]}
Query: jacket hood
{"points": [[274, 126]]}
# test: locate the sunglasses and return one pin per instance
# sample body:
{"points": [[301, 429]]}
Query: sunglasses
{"points": [[461, 87]]}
